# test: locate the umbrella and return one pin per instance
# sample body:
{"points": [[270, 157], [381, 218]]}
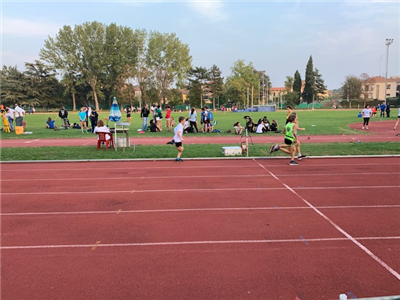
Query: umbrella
{"points": [[115, 113]]}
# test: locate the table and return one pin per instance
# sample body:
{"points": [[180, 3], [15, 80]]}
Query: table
{"points": [[122, 129]]}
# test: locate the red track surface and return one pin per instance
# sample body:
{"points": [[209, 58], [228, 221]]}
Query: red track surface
{"points": [[220, 229], [378, 132]]}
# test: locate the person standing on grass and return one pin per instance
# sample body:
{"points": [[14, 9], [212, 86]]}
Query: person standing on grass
{"points": [[178, 138], [288, 113], [63, 114], [289, 142], [168, 118], [398, 119], [83, 119], [193, 119], [366, 113], [10, 117], [19, 115], [144, 114], [94, 117]]}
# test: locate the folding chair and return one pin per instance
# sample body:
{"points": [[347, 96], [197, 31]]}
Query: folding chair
{"points": [[103, 139]]}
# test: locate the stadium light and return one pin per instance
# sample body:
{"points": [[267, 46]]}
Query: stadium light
{"points": [[388, 43]]}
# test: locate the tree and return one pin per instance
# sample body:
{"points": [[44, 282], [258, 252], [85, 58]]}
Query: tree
{"points": [[41, 85], [309, 87], [62, 54], [13, 86], [243, 79], [168, 59], [297, 85], [320, 87], [289, 84], [198, 77], [351, 89], [216, 82], [265, 86]]}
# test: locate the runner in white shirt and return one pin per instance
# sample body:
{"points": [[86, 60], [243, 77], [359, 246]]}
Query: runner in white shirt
{"points": [[366, 114], [178, 138]]}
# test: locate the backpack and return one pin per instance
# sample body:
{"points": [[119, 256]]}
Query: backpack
{"points": [[210, 116]]}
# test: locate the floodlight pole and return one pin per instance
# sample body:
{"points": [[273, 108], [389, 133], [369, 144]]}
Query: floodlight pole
{"points": [[388, 43]]}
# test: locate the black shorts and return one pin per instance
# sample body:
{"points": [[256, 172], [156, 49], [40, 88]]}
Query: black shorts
{"points": [[179, 144], [289, 142]]}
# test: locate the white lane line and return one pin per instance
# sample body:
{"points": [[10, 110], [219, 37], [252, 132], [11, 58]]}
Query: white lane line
{"points": [[194, 243], [198, 190], [199, 176], [141, 168], [28, 142], [193, 210], [337, 227]]}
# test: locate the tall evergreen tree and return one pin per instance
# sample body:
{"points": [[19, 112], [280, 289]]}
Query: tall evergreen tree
{"points": [[309, 88], [320, 86], [198, 77], [216, 82], [297, 85]]}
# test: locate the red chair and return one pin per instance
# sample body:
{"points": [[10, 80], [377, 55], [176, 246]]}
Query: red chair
{"points": [[103, 139]]}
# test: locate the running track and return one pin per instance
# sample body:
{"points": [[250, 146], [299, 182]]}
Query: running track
{"points": [[215, 229]]}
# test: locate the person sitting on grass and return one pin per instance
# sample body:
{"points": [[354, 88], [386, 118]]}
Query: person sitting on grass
{"points": [[261, 127], [153, 126], [238, 128], [51, 124], [274, 126]]}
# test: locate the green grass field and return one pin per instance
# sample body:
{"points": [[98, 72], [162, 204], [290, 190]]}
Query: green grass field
{"points": [[326, 122], [317, 122]]}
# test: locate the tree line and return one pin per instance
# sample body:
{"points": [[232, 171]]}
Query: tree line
{"points": [[93, 62]]}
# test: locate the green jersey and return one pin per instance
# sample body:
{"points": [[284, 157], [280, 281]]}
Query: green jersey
{"points": [[289, 131]]}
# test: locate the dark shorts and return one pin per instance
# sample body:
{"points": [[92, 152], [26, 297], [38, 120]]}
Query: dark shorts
{"points": [[179, 144], [289, 142]]}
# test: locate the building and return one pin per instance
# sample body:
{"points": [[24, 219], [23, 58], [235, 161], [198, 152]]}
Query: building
{"points": [[374, 88]]}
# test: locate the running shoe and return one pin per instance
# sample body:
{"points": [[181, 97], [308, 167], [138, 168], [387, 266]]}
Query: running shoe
{"points": [[301, 157], [178, 160], [293, 163], [271, 149]]}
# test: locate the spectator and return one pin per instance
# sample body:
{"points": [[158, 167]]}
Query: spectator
{"points": [[193, 119], [94, 117], [128, 114], [10, 117], [274, 126], [63, 114], [168, 118], [19, 115], [83, 119], [261, 127], [388, 110], [144, 114], [238, 128], [100, 127], [51, 124], [158, 117], [383, 109], [153, 126]]}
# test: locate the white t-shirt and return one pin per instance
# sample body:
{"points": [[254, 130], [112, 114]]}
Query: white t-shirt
{"points": [[260, 128], [399, 113], [10, 113], [178, 128], [19, 112], [193, 116], [366, 112], [102, 129]]}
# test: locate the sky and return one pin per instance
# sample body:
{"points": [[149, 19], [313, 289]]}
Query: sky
{"points": [[343, 37]]}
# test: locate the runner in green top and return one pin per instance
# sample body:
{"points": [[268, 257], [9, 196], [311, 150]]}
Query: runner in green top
{"points": [[290, 140]]}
